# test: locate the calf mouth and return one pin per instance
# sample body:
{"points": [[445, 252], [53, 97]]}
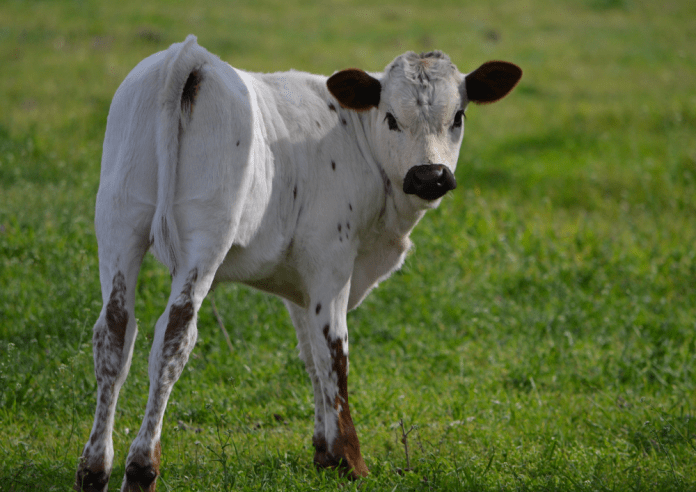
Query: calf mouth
{"points": [[429, 181]]}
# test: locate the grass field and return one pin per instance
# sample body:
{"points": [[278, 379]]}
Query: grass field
{"points": [[542, 335]]}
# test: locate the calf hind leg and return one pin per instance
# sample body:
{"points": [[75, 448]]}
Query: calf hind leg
{"points": [[175, 337], [113, 338]]}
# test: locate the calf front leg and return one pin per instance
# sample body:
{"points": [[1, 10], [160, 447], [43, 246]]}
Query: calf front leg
{"points": [[323, 342], [339, 447]]}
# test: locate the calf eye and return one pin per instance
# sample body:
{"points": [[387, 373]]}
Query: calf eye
{"points": [[458, 119], [391, 121]]}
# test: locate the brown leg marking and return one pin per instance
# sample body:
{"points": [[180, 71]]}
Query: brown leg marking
{"points": [[344, 453], [180, 312], [180, 315], [116, 314], [108, 341]]}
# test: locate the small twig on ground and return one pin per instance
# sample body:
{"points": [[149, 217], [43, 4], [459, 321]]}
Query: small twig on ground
{"points": [[404, 440], [220, 324]]}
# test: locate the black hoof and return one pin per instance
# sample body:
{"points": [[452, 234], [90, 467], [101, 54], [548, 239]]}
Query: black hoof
{"points": [[88, 481], [142, 476]]}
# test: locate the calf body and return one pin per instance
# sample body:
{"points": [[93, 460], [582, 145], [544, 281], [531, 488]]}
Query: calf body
{"points": [[295, 184]]}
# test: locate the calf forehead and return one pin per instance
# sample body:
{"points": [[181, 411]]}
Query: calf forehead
{"points": [[423, 88]]}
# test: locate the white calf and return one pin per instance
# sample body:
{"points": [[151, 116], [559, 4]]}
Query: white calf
{"points": [[298, 185]]}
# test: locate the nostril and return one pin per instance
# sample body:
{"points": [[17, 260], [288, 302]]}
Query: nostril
{"points": [[430, 173]]}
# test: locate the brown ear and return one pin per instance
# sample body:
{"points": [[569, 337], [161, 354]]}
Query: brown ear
{"points": [[354, 89], [492, 81]]}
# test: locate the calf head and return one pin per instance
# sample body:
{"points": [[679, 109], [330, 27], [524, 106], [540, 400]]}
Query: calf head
{"points": [[417, 115]]}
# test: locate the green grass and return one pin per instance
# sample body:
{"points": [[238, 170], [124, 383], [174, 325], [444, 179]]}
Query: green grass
{"points": [[542, 336]]}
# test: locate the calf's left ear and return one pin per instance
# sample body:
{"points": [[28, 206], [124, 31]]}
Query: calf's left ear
{"points": [[355, 89], [492, 81]]}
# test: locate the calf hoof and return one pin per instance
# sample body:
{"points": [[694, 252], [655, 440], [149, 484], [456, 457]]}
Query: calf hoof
{"points": [[351, 468], [140, 478], [91, 481]]}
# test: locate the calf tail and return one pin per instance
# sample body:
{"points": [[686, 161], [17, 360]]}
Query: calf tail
{"points": [[180, 77]]}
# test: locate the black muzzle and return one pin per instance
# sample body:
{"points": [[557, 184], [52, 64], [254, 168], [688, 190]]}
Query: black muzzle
{"points": [[429, 181]]}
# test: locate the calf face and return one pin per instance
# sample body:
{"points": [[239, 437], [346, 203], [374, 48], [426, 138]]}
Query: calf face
{"points": [[419, 123]]}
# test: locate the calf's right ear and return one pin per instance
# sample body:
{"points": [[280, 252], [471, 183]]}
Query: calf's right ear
{"points": [[355, 89]]}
